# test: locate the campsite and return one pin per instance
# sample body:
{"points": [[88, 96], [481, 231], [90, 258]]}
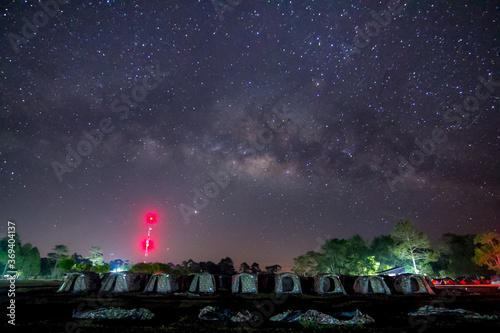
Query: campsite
{"points": [[40, 307], [250, 166]]}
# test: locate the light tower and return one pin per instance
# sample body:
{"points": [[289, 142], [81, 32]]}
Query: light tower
{"points": [[147, 242], [150, 220]]}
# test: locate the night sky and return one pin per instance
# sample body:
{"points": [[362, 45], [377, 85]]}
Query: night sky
{"points": [[255, 133]]}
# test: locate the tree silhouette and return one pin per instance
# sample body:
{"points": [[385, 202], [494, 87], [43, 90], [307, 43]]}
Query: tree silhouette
{"points": [[273, 269], [226, 266], [60, 252], [255, 268], [244, 268], [457, 256], [306, 264]]}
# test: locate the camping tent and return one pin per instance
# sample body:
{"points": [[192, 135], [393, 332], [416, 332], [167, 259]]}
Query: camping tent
{"points": [[412, 284], [161, 283], [244, 283], [80, 282], [328, 284], [121, 282], [371, 284], [287, 283], [202, 283]]}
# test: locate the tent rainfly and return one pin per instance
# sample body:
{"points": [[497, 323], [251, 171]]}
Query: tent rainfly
{"points": [[287, 283], [371, 284], [120, 282], [80, 282], [328, 284], [202, 283], [245, 283], [161, 283], [412, 284]]}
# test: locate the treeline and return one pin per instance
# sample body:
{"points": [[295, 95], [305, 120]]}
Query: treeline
{"points": [[26, 260], [454, 256]]}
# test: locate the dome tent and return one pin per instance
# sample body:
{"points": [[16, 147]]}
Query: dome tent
{"points": [[202, 283], [287, 283], [121, 282], [161, 283], [80, 282], [371, 284], [328, 284], [244, 283], [412, 284]]}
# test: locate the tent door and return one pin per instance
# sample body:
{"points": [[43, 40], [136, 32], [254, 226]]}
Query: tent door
{"points": [[287, 283], [414, 286], [370, 287], [329, 285]]}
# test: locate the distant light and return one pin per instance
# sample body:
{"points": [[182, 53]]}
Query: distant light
{"points": [[151, 218], [147, 244]]}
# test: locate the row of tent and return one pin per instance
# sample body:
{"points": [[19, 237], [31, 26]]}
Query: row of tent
{"points": [[244, 283]]}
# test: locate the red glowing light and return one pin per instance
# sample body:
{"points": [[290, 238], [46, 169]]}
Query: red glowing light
{"points": [[151, 218], [147, 244]]}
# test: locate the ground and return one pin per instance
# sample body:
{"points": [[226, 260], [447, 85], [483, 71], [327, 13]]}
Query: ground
{"points": [[40, 309]]}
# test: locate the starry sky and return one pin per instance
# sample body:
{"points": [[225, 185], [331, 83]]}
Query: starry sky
{"points": [[252, 129]]}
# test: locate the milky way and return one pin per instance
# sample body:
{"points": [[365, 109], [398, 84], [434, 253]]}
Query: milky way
{"points": [[254, 129]]}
